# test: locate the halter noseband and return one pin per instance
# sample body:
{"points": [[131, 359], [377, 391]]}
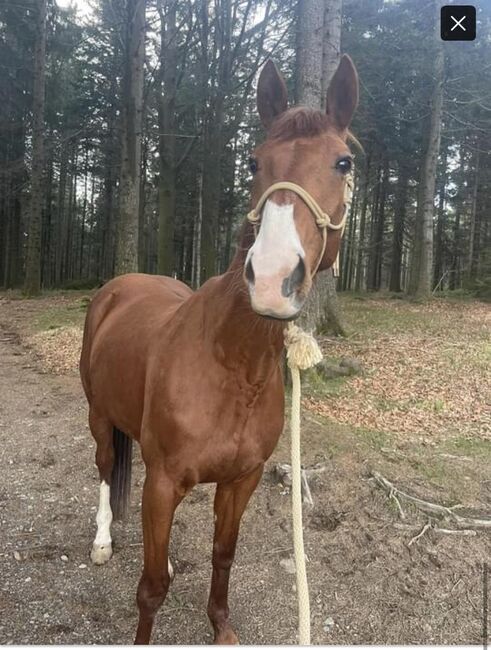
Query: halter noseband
{"points": [[322, 219]]}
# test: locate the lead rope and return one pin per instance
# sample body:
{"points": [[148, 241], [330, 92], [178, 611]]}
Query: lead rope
{"points": [[302, 352]]}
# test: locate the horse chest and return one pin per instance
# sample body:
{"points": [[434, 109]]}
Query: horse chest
{"points": [[228, 425]]}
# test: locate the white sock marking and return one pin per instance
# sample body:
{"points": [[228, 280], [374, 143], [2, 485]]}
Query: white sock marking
{"points": [[104, 517]]}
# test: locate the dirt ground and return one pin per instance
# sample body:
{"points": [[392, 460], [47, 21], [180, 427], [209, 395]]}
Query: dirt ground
{"points": [[367, 583]]}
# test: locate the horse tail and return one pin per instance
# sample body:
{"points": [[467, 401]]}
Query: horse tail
{"points": [[121, 474]]}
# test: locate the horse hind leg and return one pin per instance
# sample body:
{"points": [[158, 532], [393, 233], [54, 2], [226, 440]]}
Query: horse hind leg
{"points": [[102, 432]]}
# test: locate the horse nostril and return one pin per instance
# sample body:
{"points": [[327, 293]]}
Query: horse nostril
{"points": [[249, 272], [295, 279]]}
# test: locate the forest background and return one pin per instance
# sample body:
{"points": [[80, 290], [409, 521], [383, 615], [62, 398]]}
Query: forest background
{"points": [[126, 128]]}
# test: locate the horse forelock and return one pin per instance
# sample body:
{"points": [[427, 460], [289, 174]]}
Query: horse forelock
{"points": [[299, 122], [304, 122]]}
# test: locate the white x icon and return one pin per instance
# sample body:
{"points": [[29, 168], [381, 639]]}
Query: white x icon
{"points": [[458, 23]]}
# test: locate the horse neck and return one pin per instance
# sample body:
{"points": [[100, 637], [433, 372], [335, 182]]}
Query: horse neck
{"points": [[244, 339]]}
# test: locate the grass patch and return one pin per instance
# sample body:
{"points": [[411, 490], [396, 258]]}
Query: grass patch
{"points": [[457, 295], [17, 294], [316, 386], [54, 317], [384, 314], [374, 439], [464, 446], [478, 356], [435, 470]]}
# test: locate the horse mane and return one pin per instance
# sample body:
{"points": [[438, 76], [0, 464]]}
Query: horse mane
{"points": [[303, 122]]}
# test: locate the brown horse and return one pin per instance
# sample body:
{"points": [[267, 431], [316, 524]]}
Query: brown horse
{"points": [[195, 377]]}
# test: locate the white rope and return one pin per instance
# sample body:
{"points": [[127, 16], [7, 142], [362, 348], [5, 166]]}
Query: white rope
{"points": [[302, 353], [322, 219]]}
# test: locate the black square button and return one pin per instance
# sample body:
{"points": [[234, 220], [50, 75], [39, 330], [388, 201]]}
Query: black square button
{"points": [[458, 23]]}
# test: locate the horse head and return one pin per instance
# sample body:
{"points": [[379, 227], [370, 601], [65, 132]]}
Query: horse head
{"points": [[301, 174]]}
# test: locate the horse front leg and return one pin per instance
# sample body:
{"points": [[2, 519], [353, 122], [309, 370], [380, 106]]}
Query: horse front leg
{"points": [[160, 499], [231, 500]]}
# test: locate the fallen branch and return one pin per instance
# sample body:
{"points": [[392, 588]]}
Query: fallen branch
{"points": [[447, 513], [425, 528], [451, 531], [282, 472], [465, 532], [394, 498]]}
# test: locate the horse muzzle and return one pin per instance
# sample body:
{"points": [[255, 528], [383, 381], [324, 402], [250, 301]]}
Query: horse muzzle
{"points": [[279, 295]]}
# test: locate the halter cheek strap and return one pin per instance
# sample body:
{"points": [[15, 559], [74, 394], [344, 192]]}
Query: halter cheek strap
{"points": [[322, 219]]}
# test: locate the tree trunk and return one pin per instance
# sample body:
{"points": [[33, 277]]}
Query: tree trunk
{"points": [[32, 283], [142, 220], [455, 268], [454, 281], [167, 140], [61, 215], [108, 232], [310, 33], [84, 213], [361, 234], [48, 230], [70, 217], [472, 233], [331, 44], [213, 143], [374, 212], [90, 273], [318, 36], [422, 272], [398, 231], [439, 271], [379, 232], [129, 191], [349, 242], [196, 270]]}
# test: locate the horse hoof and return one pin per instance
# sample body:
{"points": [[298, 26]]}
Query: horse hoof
{"points": [[226, 637], [101, 554]]}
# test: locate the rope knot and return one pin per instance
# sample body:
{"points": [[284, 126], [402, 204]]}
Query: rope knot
{"points": [[254, 216], [323, 220], [302, 350]]}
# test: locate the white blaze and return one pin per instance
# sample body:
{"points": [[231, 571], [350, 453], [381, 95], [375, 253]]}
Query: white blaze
{"points": [[278, 246], [274, 256]]}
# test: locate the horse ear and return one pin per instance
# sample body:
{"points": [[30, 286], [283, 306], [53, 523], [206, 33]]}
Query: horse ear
{"points": [[342, 94], [272, 96]]}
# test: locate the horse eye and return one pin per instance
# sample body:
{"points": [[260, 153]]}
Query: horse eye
{"points": [[253, 165], [344, 165]]}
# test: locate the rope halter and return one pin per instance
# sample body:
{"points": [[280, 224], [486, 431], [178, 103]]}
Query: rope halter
{"points": [[322, 219]]}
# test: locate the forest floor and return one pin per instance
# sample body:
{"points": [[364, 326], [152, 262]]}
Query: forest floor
{"points": [[416, 414]]}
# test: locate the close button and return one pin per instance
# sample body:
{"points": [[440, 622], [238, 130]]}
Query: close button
{"points": [[458, 23]]}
